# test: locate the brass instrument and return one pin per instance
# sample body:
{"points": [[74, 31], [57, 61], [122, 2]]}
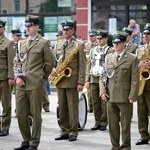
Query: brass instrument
{"points": [[144, 72], [62, 70]]}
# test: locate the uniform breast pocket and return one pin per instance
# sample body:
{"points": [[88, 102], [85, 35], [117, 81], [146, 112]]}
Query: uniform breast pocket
{"points": [[3, 51], [36, 53], [125, 70]]}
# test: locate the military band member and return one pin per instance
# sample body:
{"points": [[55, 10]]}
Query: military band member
{"points": [[16, 35], [32, 66], [144, 99], [94, 70], [130, 46], [121, 69], [59, 35], [88, 46], [7, 54], [68, 88]]}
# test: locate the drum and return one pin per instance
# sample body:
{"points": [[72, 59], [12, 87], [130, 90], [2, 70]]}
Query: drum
{"points": [[82, 110]]}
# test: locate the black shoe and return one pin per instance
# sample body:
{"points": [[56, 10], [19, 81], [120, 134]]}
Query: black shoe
{"points": [[21, 148], [72, 138], [32, 148], [61, 137], [4, 133], [46, 109], [96, 127], [141, 142], [103, 128]]}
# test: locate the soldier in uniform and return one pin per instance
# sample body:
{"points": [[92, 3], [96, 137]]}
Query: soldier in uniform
{"points": [[73, 50], [144, 99], [7, 54], [32, 66], [59, 35], [130, 46], [94, 70], [16, 35], [121, 70], [88, 46]]}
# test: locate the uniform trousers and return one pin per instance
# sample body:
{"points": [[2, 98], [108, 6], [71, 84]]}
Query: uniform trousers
{"points": [[143, 113], [90, 106], [5, 97], [29, 103], [99, 106], [46, 102], [119, 114], [68, 110]]}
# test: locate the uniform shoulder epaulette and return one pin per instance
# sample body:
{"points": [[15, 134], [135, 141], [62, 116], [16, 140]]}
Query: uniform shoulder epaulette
{"points": [[132, 54]]}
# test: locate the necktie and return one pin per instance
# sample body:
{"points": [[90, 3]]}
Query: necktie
{"points": [[118, 56], [30, 41], [64, 47]]}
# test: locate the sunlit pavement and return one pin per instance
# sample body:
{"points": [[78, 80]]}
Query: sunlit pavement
{"points": [[87, 139]]}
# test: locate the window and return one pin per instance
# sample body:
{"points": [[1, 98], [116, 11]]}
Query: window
{"points": [[16, 5], [4, 11]]}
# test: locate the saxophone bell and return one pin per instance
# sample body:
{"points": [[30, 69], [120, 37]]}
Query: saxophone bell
{"points": [[67, 72], [145, 74]]}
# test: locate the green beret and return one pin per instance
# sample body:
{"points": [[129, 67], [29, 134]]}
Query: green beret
{"points": [[59, 33], [147, 28], [92, 32], [16, 32], [101, 33], [2, 22], [66, 24], [127, 30], [31, 20], [119, 36]]}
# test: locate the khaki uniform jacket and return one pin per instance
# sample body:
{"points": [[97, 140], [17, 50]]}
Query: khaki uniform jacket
{"points": [[38, 62], [77, 64], [141, 51], [125, 80], [131, 47], [7, 54], [88, 47], [91, 78]]}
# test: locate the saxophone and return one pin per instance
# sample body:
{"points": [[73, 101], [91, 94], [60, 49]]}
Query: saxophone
{"points": [[62, 70], [144, 72]]}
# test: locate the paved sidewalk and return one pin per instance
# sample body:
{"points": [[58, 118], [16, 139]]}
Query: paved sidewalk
{"points": [[87, 139]]}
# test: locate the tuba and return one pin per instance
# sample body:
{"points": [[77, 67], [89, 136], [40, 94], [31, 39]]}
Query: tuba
{"points": [[144, 72], [62, 70]]}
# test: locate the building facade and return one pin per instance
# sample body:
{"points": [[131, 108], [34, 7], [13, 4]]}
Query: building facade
{"points": [[105, 14]]}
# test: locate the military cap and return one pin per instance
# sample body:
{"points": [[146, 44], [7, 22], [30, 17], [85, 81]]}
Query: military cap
{"points": [[66, 24], [92, 32], [2, 23], [16, 32], [147, 28], [119, 36], [59, 33], [101, 33], [31, 20], [127, 30]]}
